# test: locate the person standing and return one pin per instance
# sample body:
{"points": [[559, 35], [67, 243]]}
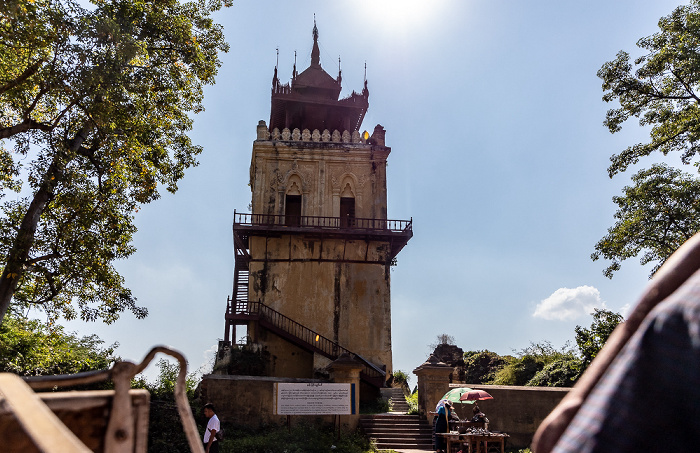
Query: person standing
{"points": [[211, 444], [442, 425]]}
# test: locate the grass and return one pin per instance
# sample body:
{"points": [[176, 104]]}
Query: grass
{"points": [[302, 438]]}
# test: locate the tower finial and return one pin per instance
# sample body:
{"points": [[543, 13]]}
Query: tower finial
{"points": [[365, 90], [275, 81], [315, 53], [340, 73], [294, 69]]}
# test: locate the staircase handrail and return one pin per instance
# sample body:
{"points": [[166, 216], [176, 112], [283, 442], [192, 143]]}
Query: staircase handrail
{"points": [[326, 346]]}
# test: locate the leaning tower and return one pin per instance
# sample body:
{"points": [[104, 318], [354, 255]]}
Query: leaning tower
{"points": [[312, 260]]}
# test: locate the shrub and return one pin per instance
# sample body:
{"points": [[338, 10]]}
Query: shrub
{"points": [[531, 361], [481, 367], [562, 372], [412, 401]]}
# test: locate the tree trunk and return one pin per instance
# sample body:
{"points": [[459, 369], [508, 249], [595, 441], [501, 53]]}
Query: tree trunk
{"points": [[19, 253]]}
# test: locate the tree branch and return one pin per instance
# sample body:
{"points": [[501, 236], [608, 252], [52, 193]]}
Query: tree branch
{"points": [[24, 126], [30, 71]]}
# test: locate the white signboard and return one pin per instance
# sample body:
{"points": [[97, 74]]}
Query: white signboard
{"points": [[314, 398]]}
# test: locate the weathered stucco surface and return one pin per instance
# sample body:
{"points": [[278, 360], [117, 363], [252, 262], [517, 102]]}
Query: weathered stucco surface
{"points": [[336, 286], [321, 172]]}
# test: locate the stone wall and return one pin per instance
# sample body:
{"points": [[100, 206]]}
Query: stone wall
{"points": [[516, 410], [249, 401]]}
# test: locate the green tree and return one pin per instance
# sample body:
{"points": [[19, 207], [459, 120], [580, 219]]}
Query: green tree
{"points": [[29, 347], [661, 90], [560, 372], [655, 216], [591, 340], [531, 361], [481, 367], [95, 103]]}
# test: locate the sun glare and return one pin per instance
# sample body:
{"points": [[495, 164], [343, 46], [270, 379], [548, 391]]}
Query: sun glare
{"points": [[400, 15]]}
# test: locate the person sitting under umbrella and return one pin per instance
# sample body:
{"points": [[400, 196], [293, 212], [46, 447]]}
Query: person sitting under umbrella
{"points": [[478, 415]]}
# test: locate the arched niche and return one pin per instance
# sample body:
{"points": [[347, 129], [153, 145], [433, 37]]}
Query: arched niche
{"points": [[293, 201]]}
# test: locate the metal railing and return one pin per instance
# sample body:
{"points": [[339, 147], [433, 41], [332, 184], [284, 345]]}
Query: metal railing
{"points": [[318, 222], [323, 345]]}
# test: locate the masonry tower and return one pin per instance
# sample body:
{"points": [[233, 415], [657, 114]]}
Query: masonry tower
{"points": [[312, 260]]}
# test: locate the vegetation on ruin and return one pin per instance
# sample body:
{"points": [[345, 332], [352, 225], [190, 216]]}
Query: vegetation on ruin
{"points": [[661, 208], [245, 361], [95, 111], [541, 364]]}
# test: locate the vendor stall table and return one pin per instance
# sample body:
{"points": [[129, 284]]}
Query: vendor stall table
{"points": [[476, 443]]}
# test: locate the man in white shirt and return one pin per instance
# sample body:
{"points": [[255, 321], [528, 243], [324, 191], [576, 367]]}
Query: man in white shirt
{"points": [[211, 444]]}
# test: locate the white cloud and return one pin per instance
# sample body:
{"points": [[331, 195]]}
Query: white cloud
{"points": [[567, 304], [625, 310]]}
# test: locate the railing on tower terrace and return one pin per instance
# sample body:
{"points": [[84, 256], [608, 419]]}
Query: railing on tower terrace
{"points": [[324, 345], [316, 222]]}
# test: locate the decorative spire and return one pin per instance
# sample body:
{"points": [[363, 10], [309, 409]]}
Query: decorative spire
{"points": [[275, 80], [340, 73], [365, 91], [294, 69], [315, 53]]}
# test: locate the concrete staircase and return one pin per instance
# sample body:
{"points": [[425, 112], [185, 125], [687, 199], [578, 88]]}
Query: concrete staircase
{"points": [[398, 431], [398, 399]]}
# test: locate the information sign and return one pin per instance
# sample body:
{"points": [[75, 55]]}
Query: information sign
{"points": [[314, 398]]}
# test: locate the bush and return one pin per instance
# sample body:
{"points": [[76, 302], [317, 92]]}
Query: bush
{"points": [[245, 361], [481, 367], [562, 372], [531, 361], [412, 401]]}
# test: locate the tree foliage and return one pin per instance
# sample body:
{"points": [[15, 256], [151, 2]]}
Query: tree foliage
{"points": [[531, 361], [661, 89], [480, 367], [563, 371], [95, 103], [655, 216], [591, 340], [29, 347]]}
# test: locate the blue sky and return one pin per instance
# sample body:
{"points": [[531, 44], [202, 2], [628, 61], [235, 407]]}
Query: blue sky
{"points": [[494, 115]]}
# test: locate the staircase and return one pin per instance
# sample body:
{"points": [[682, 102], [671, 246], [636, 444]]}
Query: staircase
{"points": [[241, 272], [398, 432], [241, 311], [397, 397]]}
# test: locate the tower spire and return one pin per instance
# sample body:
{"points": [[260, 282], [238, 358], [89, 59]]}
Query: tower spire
{"points": [[275, 80], [340, 73], [315, 52]]}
